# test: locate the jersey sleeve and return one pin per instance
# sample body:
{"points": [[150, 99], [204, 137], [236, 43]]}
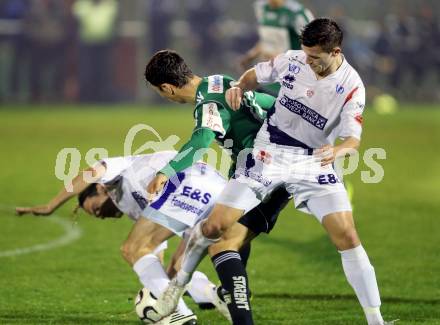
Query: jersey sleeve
{"points": [[190, 152], [269, 71], [114, 167], [211, 120], [258, 104], [351, 116], [212, 116]]}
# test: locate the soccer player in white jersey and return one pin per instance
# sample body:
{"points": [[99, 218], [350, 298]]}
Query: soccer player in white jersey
{"points": [[322, 98], [118, 187]]}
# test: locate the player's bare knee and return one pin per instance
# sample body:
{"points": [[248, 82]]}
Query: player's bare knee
{"points": [[126, 252], [348, 239], [131, 252], [213, 229]]}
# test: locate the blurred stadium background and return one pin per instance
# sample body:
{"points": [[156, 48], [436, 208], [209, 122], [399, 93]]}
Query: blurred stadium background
{"points": [[394, 45], [49, 275]]}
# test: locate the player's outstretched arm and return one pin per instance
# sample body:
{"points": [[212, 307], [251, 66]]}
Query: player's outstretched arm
{"points": [[79, 184]]}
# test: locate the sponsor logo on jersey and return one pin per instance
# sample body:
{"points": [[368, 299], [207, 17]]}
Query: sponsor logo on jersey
{"points": [[339, 89], [360, 105], [306, 113], [215, 84], [294, 68], [295, 59], [211, 118], [186, 206], [256, 176], [199, 97], [265, 157], [359, 119], [196, 194], [140, 200], [288, 81]]}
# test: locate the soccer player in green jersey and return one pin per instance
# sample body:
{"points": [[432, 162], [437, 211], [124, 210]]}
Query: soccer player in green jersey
{"points": [[169, 75], [279, 28]]}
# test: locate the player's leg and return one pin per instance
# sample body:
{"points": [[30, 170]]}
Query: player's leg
{"points": [[356, 264], [234, 292], [144, 238], [204, 234], [141, 250], [235, 199], [199, 288], [228, 262]]}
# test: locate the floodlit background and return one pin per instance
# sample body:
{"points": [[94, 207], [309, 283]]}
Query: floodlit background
{"points": [[44, 55], [57, 91]]}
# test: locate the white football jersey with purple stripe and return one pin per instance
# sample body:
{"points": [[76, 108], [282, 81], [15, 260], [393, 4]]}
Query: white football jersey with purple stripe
{"points": [[308, 112], [186, 198]]}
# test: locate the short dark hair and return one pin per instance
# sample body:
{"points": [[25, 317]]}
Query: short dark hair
{"points": [[90, 190], [324, 32], [107, 210], [167, 66]]}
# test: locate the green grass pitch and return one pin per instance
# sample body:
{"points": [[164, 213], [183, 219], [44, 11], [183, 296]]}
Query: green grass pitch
{"points": [[295, 273]]}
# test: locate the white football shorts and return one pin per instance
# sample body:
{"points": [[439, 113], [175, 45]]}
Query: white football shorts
{"points": [[316, 189]]}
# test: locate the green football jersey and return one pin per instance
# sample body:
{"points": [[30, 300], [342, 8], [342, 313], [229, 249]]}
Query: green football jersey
{"points": [[214, 119], [214, 113], [280, 28]]}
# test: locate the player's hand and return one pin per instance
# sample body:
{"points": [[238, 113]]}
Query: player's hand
{"points": [[40, 210], [233, 97], [156, 186], [327, 154]]}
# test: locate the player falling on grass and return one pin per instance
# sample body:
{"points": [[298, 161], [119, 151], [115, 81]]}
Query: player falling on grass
{"points": [[279, 28], [322, 97], [171, 78], [118, 186]]}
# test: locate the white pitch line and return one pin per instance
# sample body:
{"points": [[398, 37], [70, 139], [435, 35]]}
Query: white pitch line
{"points": [[71, 233]]}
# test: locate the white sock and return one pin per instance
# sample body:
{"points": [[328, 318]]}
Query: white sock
{"points": [[195, 250], [153, 277], [200, 288], [373, 316], [360, 274]]}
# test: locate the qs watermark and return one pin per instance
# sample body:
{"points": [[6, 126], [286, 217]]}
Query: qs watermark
{"points": [[68, 160]]}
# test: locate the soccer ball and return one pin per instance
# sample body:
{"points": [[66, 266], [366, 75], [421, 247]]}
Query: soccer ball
{"points": [[385, 104], [144, 306]]}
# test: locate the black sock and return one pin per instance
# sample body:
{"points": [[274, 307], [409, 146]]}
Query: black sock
{"points": [[233, 277], [244, 252]]}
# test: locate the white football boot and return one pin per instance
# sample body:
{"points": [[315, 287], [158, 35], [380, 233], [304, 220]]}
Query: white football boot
{"points": [[167, 302], [178, 319], [220, 303]]}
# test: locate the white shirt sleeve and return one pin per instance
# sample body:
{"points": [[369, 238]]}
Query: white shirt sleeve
{"points": [[351, 116], [269, 71], [114, 167]]}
